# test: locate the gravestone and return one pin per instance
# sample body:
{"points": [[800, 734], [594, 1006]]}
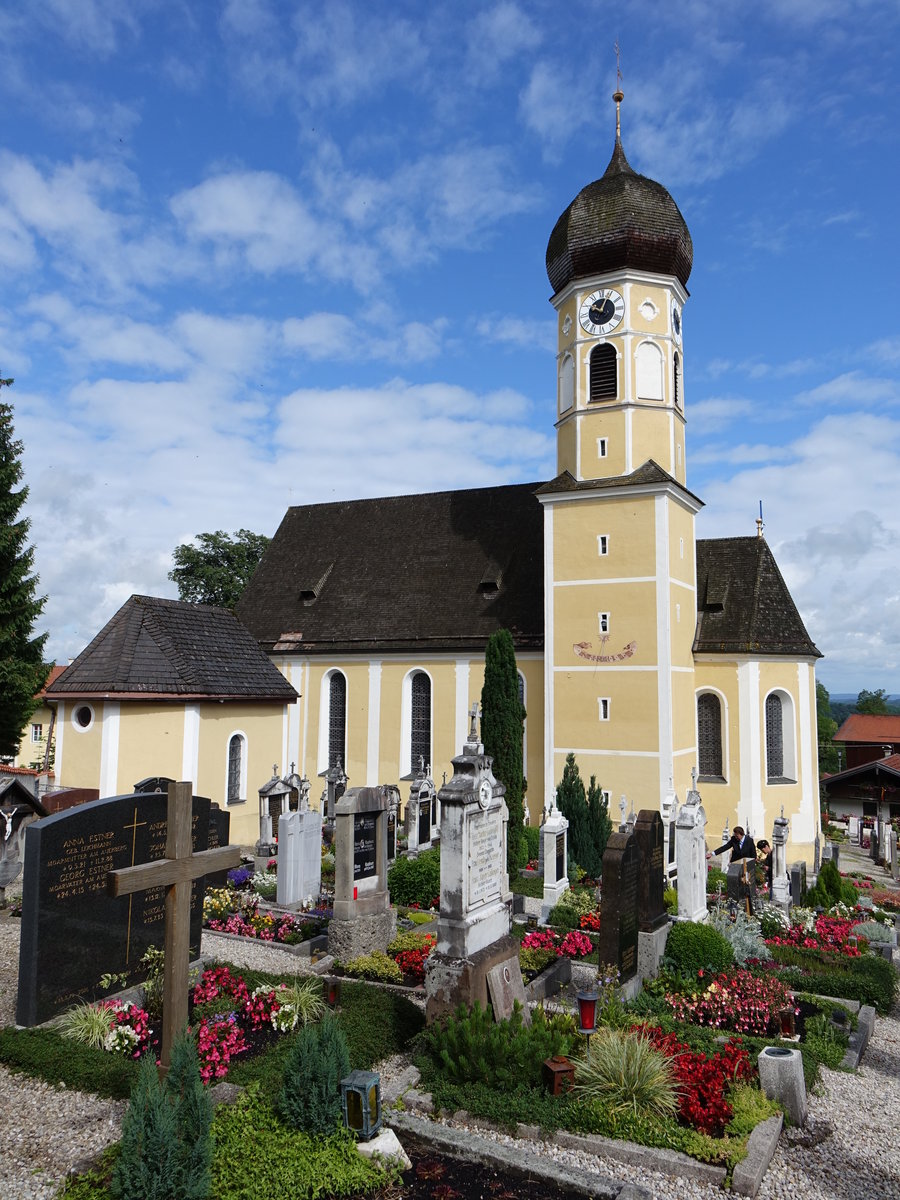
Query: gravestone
{"points": [[13, 822], [274, 799], [741, 884], [393, 821], [895, 863], [853, 830], [798, 883], [669, 817], [299, 858], [473, 935], [363, 919], [619, 904], [554, 835], [175, 874], [690, 858], [653, 919], [72, 930], [781, 885]]}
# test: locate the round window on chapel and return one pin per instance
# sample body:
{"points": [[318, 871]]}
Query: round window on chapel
{"points": [[83, 716]]}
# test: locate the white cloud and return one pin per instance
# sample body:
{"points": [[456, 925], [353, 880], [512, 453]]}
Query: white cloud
{"points": [[853, 387], [519, 332], [496, 36], [717, 412]]}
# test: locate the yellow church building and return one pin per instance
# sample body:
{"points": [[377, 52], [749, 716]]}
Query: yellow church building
{"points": [[645, 652]]}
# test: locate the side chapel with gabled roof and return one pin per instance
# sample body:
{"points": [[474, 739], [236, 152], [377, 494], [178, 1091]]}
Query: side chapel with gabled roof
{"points": [[646, 652]]}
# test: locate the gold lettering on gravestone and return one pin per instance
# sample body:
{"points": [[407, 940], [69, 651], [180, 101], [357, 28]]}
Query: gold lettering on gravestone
{"points": [[485, 851], [81, 868]]}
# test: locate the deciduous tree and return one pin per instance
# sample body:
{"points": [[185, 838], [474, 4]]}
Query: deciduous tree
{"points": [[827, 728], [216, 567]]}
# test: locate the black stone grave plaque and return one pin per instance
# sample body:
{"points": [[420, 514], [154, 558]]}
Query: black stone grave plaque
{"points": [[219, 827], [560, 856], [72, 930], [392, 835], [424, 820], [741, 884], [650, 834], [619, 904], [364, 864]]}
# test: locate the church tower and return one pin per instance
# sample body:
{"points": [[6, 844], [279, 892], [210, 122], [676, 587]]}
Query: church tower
{"points": [[620, 594]]}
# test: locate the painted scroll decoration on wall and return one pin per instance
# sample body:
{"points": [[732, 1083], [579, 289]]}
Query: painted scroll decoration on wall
{"points": [[582, 649]]}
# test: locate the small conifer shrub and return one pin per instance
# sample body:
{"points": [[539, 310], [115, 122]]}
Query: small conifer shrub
{"points": [[310, 1097]]}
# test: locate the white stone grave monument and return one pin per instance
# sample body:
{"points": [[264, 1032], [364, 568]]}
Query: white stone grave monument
{"points": [[299, 858], [690, 856], [554, 840], [781, 883]]}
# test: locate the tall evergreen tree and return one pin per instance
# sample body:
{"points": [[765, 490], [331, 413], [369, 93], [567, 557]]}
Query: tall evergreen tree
{"points": [[502, 715], [22, 668], [572, 803], [599, 827]]}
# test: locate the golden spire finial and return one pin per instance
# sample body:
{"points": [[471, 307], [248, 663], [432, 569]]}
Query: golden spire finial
{"points": [[760, 526], [618, 94]]}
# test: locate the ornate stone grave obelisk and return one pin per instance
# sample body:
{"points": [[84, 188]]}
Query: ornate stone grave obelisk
{"points": [[476, 958], [176, 872]]}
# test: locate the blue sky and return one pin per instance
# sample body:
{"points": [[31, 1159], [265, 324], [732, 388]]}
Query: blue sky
{"points": [[258, 254]]}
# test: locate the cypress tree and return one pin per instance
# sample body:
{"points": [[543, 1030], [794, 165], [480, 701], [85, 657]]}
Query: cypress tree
{"points": [[572, 803], [599, 827], [502, 715], [22, 668]]}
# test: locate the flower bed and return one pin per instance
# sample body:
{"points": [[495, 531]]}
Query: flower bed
{"points": [[830, 934], [739, 1000], [703, 1080], [227, 910]]}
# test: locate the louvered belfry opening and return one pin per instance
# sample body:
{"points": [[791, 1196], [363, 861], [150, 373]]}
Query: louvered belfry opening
{"points": [[676, 382], [709, 734], [420, 738], [604, 373], [774, 737], [337, 718]]}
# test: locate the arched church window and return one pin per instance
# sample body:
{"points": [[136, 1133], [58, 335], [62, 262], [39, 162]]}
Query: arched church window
{"points": [[676, 380], [566, 383], [337, 719], [774, 737], [604, 372], [235, 769], [709, 735], [649, 372], [420, 732]]}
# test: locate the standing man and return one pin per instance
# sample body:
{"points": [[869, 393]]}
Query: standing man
{"points": [[740, 844]]}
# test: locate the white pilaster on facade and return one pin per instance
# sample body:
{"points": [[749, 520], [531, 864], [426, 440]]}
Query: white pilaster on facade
{"points": [[663, 649], [109, 749], [374, 728], [803, 826], [752, 807], [549, 649], [629, 465], [190, 745], [462, 704], [295, 675], [59, 735], [303, 668]]}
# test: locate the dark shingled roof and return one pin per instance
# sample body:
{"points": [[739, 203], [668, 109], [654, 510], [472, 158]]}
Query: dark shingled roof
{"points": [[620, 220], [649, 473], [442, 570], [169, 648], [743, 604]]}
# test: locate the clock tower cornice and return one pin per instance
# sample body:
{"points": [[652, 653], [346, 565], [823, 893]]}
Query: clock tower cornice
{"points": [[626, 275]]}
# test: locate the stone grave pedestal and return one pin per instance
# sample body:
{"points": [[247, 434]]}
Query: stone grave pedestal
{"points": [[554, 842], [363, 919], [781, 884], [741, 885], [299, 858], [476, 958]]}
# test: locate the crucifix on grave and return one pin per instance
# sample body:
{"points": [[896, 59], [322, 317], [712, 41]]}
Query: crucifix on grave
{"points": [[176, 873]]}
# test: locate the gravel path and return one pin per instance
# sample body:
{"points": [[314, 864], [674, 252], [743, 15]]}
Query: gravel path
{"points": [[848, 1150]]}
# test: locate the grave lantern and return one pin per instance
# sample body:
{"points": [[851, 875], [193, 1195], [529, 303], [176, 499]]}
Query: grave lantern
{"points": [[361, 1103], [559, 1074], [786, 1021], [587, 1013], [333, 992]]}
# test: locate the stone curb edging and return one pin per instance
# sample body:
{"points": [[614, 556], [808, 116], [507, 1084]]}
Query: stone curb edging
{"points": [[667, 1162], [761, 1146], [459, 1143], [859, 1038]]}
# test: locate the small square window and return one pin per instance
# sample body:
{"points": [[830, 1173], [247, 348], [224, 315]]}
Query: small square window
{"points": [[603, 620], [602, 544], [605, 794], [603, 706], [602, 446], [37, 732]]}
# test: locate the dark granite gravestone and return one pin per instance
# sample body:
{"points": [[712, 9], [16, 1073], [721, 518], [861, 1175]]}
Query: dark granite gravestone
{"points": [[798, 883], [560, 856], [73, 931], [619, 904], [364, 864], [392, 835], [741, 884], [650, 834], [424, 820]]}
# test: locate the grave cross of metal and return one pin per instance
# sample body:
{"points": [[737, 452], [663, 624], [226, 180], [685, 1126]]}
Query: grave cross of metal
{"points": [[176, 872]]}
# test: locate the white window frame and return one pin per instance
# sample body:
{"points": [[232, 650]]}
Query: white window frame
{"points": [[566, 384], [602, 447], [603, 622], [325, 718], [37, 732], [77, 724], [603, 707], [788, 736], [242, 799], [602, 545]]}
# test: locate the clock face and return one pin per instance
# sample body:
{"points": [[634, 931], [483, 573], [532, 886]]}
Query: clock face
{"points": [[676, 322], [485, 792], [601, 311]]}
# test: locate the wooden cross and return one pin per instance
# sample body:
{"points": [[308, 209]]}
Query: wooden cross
{"points": [[176, 872]]}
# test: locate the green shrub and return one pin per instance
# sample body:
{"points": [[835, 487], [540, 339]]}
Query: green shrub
{"points": [[258, 1157], [377, 1023], [749, 1107], [420, 918], [873, 931], [536, 960], [472, 1047], [869, 979], [716, 877], [532, 836], [563, 916], [693, 947], [625, 1072], [527, 887], [670, 900], [376, 965], [410, 940], [310, 1097], [823, 1040], [87, 1024], [741, 932], [46, 1054], [166, 1147], [416, 880]]}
